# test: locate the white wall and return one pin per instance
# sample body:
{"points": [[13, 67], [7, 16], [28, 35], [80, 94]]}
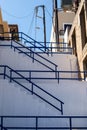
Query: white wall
{"points": [[16, 101], [64, 61]]}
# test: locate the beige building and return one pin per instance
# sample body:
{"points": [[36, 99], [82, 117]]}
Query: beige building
{"points": [[78, 36], [5, 28], [65, 20], [73, 30]]}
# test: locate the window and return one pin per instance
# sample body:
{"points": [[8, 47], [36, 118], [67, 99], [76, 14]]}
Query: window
{"points": [[61, 32], [67, 26]]}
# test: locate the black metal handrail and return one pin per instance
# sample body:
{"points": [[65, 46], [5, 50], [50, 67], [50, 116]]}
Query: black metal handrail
{"points": [[32, 43], [71, 122], [40, 45], [29, 75], [33, 54], [11, 71], [25, 39], [20, 36], [35, 44], [52, 50]]}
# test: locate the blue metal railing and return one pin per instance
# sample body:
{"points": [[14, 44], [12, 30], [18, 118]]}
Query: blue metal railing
{"points": [[50, 122], [61, 75], [39, 47], [20, 36], [47, 63], [8, 72], [33, 43], [52, 50], [32, 55]]}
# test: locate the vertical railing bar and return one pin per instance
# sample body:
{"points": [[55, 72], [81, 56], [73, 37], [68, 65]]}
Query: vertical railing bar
{"points": [[55, 71], [51, 49], [29, 76], [10, 75], [33, 57], [61, 108], [45, 46], [36, 123], [4, 71], [32, 89], [1, 123], [58, 77], [70, 121]]}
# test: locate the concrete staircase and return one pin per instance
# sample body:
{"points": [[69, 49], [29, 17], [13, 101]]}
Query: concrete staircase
{"points": [[17, 101]]}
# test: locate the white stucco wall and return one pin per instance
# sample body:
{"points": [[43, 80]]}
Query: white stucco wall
{"points": [[16, 101]]}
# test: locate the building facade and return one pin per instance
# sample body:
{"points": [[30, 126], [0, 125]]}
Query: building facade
{"points": [[73, 31], [3, 27], [65, 20], [6, 29], [78, 36]]}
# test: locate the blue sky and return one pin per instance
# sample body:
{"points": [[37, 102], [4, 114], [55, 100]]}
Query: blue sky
{"points": [[21, 12]]}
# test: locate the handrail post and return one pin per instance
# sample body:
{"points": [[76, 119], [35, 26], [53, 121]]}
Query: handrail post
{"points": [[61, 108], [55, 71], [32, 89], [45, 46], [30, 75], [58, 77], [36, 123], [1, 123], [33, 57], [70, 121], [10, 75], [4, 71]]}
